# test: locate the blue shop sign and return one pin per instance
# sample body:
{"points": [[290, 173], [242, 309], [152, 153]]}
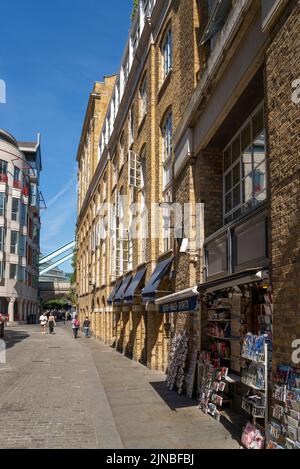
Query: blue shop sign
{"points": [[188, 304]]}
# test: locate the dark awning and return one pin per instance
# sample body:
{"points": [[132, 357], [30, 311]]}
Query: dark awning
{"points": [[135, 285], [111, 297], [218, 15], [120, 293], [236, 279], [152, 287]]}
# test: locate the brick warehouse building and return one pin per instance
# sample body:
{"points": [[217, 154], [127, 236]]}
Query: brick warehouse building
{"points": [[217, 126], [137, 129]]}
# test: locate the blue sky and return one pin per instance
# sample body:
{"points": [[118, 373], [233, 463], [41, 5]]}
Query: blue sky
{"points": [[51, 53]]}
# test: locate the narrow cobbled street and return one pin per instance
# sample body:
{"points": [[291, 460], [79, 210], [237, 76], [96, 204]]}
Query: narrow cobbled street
{"points": [[57, 392]]}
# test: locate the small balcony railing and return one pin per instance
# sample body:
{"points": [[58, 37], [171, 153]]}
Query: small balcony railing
{"points": [[3, 178], [17, 184], [25, 191]]}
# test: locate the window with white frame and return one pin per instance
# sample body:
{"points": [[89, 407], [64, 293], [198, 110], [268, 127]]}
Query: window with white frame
{"points": [[166, 54], [134, 169], [117, 98], [166, 132], [112, 110], [2, 269], [131, 125], [114, 173], [244, 184], [2, 238], [145, 4], [108, 127], [104, 191], [122, 151], [2, 204], [135, 39], [143, 210], [14, 242], [3, 168], [166, 222], [13, 271], [126, 71], [130, 234], [15, 209], [103, 263], [143, 98]]}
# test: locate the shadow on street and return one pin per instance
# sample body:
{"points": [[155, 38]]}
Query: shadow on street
{"points": [[12, 337], [232, 421], [171, 398]]}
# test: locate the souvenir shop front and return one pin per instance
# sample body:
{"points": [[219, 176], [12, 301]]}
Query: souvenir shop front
{"points": [[236, 345]]}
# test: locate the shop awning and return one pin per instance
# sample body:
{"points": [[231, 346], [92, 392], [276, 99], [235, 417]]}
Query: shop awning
{"points": [[219, 12], [135, 285], [120, 293], [153, 286], [111, 297], [184, 300], [239, 278]]}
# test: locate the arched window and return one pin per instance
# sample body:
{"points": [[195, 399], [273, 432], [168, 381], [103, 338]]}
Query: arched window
{"points": [[166, 132], [166, 54]]}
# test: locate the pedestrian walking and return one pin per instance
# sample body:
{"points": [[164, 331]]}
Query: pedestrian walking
{"points": [[51, 323], [75, 326], [43, 322], [86, 327]]}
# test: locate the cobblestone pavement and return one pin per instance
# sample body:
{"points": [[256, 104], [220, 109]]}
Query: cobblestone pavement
{"points": [[57, 392]]}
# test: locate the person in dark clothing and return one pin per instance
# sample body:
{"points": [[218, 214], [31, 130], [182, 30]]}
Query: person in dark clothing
{"points": [[51, 323], [86, 327]]}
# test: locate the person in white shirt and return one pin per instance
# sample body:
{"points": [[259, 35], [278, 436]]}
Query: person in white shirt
{"points": [[43, 322]]}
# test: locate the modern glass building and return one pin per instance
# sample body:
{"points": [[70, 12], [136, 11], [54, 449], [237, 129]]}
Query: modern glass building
{"points": [[20, 166]]}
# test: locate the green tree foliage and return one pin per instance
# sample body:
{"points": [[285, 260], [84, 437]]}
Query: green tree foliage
{"points": [[59, 303], [134, 8]]}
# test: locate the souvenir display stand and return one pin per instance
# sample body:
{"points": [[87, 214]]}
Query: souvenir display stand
{"points": [[255, 377], [177, 361], [284, 425]]}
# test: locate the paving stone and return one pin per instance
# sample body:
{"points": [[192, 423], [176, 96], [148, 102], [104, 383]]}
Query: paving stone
{"points": [[66, 393]]}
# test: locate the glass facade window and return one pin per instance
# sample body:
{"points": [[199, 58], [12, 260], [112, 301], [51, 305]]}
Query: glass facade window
{"points": [[167, 150], [22, 245], [33, 194], [14, 242], [2, 204], [244, 178], [3, 167], [2, 269], [17, 173], [13, 271], [23, 215], [2, 238], [21, 273], [15, 209], [166, 52]]}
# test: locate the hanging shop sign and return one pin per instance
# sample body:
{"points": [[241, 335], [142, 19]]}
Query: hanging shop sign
{"points": [[188, 304]]}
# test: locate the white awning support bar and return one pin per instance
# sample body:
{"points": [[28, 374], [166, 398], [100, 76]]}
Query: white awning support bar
{"points": [[181, 295]]}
